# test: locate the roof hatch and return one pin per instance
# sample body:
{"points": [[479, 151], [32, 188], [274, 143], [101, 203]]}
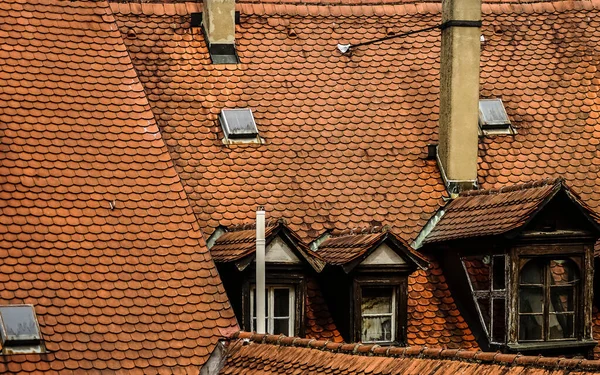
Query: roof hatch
{"points": [[19, 329], [493, 118], [239, 126]]}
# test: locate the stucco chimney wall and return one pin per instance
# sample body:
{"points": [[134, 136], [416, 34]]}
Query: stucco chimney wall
{"points": [[219, 21], [459, 93]]}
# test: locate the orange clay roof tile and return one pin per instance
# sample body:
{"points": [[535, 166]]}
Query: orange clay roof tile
{"points": [[496, 211], [270, 354], [374, 110], [96, 230]]}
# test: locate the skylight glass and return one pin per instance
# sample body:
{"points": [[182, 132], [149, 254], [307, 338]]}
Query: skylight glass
{"points": [[492, 114], [18, 323], [238, 124]]}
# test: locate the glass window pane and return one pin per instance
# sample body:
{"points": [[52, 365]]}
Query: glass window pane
{"points": [[281, 302], [253, 302], [498, 274], [531, 300], [562, 299], [530, 327], [19, 322], [281, 326], [561, 326], [377, 300], [563, 271], [499, 320], [478, 270], [377, 328], [532, 273]]}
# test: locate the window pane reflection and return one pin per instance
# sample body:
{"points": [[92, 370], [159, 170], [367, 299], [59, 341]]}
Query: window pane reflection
{"points": [[530, 327], [377, 328], [531, 300]]}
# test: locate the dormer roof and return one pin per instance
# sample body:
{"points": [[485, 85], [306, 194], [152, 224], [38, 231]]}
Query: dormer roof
{"points": [[349, 248], [501, 211], [238, 244]]}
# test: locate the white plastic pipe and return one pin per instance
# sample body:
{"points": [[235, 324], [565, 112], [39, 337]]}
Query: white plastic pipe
{"points": [[260, 270]]}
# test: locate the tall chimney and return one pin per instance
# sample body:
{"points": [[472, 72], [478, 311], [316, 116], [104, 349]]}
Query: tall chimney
{"points": [[218, 20], [459, 93]]}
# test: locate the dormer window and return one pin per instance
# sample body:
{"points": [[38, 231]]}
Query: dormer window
{"points": [[548, 299], [19, 330], [239, 126], [493, 118], [530, 273]]}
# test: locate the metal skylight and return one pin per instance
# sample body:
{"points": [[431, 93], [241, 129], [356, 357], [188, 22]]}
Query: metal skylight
{"points": [[493, 118], [239, 125], [19, 329]]}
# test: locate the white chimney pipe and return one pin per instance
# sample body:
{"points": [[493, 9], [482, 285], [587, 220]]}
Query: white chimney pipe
{"points": [[260, 270]]}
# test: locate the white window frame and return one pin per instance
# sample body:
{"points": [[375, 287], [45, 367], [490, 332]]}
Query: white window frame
{"points": [[392, 313], [271, 307]]}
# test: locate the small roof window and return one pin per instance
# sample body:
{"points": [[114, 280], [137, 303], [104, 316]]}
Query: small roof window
{"points": [[239, 126], [19, 329], [493, 118]]}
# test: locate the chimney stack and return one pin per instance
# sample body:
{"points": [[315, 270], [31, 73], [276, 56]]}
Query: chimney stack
{"points": [[218, 20], [459, 93]]}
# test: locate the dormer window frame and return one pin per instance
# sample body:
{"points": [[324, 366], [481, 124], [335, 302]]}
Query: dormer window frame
{"points": [[398, 288], [276, 277], [516, 256], [539, 251]]}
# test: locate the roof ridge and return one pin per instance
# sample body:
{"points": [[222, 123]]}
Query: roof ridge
{"points": [[252, 225], [421, 352], [360, 231], [513, 188], [335, 7]]}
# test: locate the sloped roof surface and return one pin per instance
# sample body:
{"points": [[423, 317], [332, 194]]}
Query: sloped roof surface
{"points": [[318, 321], [239, 241], [346, 135], [125, 289], [491, 212], [286, 355], [345, 246], [496, 211]]}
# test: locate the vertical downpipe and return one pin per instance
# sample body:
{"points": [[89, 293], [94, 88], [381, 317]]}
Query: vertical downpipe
{"points": [[260, 270]]}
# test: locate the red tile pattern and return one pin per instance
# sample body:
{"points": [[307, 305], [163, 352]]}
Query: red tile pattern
{"points": [[95, 228], [345, 136], [345, 246], [337, 154], [318, 321], [239, 242], [542, 60], [497, 211], [286, 355], [433, 318], [491, 212]]}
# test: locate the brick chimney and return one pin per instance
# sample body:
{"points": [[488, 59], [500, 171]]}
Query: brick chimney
{"points": [[459, 93], [218, 20]]}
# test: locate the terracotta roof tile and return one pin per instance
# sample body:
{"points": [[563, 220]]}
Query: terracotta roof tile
{"points": [[319, 323], [495, 211], [343, 247], [346, 135], [239, 241], [323, 151], [280, 355], [96, 231]]}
